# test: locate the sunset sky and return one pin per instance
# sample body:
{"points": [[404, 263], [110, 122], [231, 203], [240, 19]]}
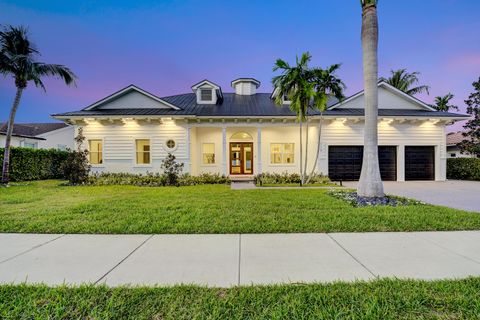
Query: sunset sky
{"points": [[166, 46]]}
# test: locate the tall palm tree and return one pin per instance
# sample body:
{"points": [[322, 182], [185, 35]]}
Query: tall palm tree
{"points": [[443, 103], [403, 80], [293, 84], [370, 184], [326, 84], [18, 59]]}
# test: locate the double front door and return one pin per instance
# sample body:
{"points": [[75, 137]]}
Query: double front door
{"points": [[241, 158]]}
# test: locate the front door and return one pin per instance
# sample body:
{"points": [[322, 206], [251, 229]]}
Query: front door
{"points": [[241, 158]]}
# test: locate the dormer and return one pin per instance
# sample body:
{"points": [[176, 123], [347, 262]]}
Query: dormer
{"points": [[284, 98], [245, 86], [207, 92]]}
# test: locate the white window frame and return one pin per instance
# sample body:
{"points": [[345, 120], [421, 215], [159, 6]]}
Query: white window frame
{"points": [[211, 93], [214, 155], [97, 165], [167, 149], [142, 165], [282, 164]]}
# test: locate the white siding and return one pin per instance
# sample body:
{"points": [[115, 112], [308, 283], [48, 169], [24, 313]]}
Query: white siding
{"points": [[132, 100], [386, 100], [119, 144], [422, 133], [56, 138]]}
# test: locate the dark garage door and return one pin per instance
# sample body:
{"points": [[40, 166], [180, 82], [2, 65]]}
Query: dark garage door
{"points": [[419, 163], [345, 162]]}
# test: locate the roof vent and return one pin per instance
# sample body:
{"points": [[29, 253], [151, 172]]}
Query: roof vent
{"points": [[245, 86]]}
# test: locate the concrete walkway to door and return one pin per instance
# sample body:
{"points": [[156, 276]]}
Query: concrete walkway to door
{"points": [[236, 259], [458, 194]]}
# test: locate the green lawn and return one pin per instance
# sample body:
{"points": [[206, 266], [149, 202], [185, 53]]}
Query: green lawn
{"points": [[49, 207], [381, 299]]}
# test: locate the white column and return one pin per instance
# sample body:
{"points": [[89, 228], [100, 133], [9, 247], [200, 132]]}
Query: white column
{"points": [[259, 150], [224, 150], [401, 163], [188, 159]]}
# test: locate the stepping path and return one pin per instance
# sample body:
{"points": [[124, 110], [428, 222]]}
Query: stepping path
{"points": [[236, 259]]}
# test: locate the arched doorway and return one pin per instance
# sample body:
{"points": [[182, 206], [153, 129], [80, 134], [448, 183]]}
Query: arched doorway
{"points": [[241, 153]]}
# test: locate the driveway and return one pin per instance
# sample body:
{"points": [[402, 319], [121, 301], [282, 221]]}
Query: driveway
{"points": [[464, 195]]}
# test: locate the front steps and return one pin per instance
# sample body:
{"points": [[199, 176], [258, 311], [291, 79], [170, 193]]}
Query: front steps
{"points": [[242, 182]]}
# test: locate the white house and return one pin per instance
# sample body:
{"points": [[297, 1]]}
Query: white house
{"points": [[39, 135], [245, 133]]}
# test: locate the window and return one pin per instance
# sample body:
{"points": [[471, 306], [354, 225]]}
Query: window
{"points": [[208, 151], [170, 144], [32, 145], [206, 94], [143, 151], [61, 147], [96, 154], [282, 153]]}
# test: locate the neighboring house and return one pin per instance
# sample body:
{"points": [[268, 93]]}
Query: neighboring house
{"points": [[453, 151], [39, 135], [245, 133]]}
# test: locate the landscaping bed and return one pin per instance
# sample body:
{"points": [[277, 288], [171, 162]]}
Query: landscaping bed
{"points": [[51, 207], [380, 299]]}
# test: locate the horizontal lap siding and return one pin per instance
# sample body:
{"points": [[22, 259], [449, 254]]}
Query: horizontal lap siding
{"points": [[423, 133], [119, 140]]}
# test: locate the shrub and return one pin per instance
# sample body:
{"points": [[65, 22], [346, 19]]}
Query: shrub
{"points": [[76, 168], [35, 164], [463, 168], [286, 178], [204, 178], [154, 179], [171, 169]]}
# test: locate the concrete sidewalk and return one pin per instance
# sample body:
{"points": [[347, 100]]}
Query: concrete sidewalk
{"points": [[229, 260]]}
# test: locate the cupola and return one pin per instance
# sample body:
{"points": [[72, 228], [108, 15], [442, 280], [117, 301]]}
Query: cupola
{"points": [[245, 86]]}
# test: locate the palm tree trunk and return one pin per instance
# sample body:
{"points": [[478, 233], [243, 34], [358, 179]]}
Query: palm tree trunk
{"points": [[301, 148], [370, 184], [306, 152], [8, 138], [320, 123]]}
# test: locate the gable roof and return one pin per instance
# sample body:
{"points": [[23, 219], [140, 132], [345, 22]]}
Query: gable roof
{"points": [[246, 106], [32, 130], [124, 91], [390, 88]]}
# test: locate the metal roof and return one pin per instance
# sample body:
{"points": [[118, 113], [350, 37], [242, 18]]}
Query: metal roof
{"points": [[233, 105]]}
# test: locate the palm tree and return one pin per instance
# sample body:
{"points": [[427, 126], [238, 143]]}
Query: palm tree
{"points": [[293, 84], [403, 80], [326, 84], [443, 103], [370, 184], [17, 58]]}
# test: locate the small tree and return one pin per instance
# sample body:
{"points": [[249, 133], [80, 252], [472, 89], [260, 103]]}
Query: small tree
{"points": [[471, 143], [76, 168], [171, 169]]}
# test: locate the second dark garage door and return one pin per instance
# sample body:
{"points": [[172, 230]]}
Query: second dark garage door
{"points": [[419, 163], [345, 162]]}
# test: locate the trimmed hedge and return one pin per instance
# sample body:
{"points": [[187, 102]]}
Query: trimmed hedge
{"points": [[35, 164], [463, 168], [287, 178], [154, 179]]}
